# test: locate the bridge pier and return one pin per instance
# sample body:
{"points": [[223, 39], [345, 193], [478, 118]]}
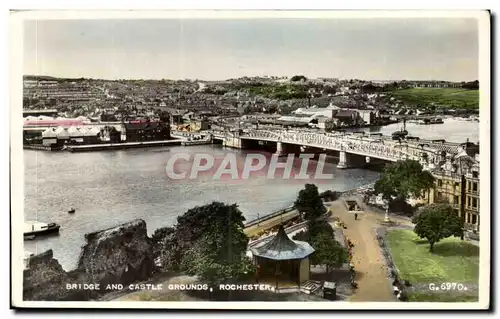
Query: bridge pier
{"points": [[279, 149], [342, 160], [231, 141]]}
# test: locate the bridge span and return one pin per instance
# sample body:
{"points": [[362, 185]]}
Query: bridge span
{"points": [[429, 153]]}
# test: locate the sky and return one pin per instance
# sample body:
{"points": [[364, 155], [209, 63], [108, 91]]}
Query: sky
{"points": [[214, 49]]}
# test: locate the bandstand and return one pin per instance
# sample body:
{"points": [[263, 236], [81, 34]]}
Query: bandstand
{"points": [[282, 262]]}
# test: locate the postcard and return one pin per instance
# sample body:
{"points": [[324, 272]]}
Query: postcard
{"points": [[250, 159]]}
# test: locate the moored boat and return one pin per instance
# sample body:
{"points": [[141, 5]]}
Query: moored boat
{"points": [[436, 120], [196, 141], [32, 228], [401, 134]]}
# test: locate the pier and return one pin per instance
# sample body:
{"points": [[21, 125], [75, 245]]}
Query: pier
{"points": [[119, 146]]}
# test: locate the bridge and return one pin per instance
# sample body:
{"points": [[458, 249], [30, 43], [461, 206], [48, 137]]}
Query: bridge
{"points": [[428, 152]]}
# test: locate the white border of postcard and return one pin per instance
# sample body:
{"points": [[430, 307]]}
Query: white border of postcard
{"points": [[17, 173]]}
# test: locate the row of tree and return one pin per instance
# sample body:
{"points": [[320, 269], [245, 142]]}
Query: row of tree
{"points": [[319, 234], [207, 241]]}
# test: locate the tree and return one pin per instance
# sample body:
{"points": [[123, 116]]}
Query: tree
{"points": [[309, 202], [297, 78], [329, 125], [206, 238], [206, 260], [329, 195], [403, 179], [328, 251], [437, 221]]}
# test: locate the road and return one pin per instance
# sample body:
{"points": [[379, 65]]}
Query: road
{"points": [[269, 223], [369, 263]]}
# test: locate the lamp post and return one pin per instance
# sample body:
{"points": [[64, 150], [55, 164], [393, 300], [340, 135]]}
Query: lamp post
{"points": [[386, 216]]}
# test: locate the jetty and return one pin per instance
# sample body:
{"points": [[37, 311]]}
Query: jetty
{"points": [[120, 146]]}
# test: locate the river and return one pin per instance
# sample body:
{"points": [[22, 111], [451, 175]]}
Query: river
{"points": [[452, 130], [109, 188]]}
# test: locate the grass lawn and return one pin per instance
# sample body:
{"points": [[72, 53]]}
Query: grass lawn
{"points": [[454, 98], [453, 260]]}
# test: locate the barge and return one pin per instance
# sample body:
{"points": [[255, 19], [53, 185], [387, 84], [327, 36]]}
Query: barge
{"points": [[191, 142], [121, 146], [33, 229]]}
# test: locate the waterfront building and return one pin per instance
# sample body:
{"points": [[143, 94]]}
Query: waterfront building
{"points": [[472, 197], [147, 131], [36, 113], [457, 183], [282, 261]]}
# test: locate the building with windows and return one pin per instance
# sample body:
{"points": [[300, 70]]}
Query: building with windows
{"points": [[457, 183], [471, 205]]}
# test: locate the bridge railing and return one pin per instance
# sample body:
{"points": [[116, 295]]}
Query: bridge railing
{"points": [[361, 145]]}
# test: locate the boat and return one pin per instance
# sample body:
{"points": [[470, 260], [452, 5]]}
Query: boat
{"points": [[71, 211], [196, 141], [436, 120], [32, 228], [400, 134], [412, 138]]}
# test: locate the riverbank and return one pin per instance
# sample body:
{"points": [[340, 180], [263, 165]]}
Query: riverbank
{"points": [[121, 146], [109, 146]]}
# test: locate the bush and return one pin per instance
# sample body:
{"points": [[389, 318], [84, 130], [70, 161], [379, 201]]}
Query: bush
{"points": [[329, 195], [403, 296]]}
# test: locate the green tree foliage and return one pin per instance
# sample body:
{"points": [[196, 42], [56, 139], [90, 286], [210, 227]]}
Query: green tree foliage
{"points": [[329, 195], [207, 241], [329, 125], [205, 259], [328, 251], [309, 202], [403, 179], [297, 78], [437, 221]]}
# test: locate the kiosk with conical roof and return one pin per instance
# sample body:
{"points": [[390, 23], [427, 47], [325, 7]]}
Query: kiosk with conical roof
{"points": [[283, 261]]}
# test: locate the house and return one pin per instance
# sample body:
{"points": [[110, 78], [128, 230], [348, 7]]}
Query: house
{"points": [[347, 117], [368, 116], [146, 131]]}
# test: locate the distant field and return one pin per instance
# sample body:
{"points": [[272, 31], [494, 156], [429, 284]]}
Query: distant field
{"points": [[453, 261], [453, 98]]}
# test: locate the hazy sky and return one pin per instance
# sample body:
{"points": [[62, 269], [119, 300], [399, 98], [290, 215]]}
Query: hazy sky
{"points": [[376, 49]]}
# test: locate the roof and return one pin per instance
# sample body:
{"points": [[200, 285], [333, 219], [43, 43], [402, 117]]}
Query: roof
{"points": [[299, 119], [281, 247], [142, 126], [344, 113], [451, 149]]}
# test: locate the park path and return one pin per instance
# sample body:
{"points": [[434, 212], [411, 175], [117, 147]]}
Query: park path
{"points": [[369, 263]]}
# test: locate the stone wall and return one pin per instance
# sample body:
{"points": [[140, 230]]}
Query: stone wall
{"points": [[122, 254], [46, 280], [118, 255]]}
